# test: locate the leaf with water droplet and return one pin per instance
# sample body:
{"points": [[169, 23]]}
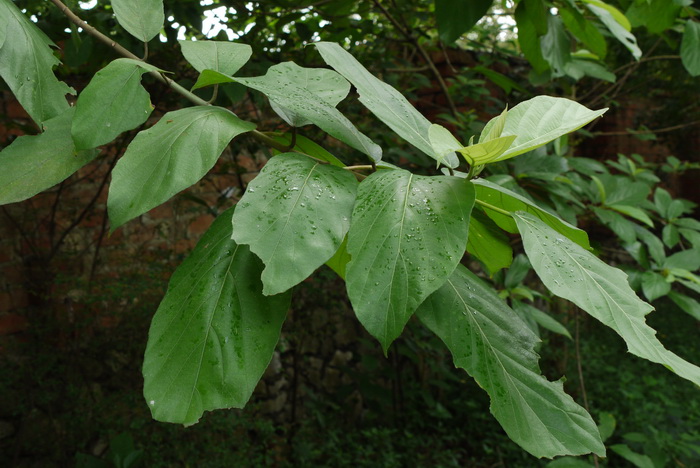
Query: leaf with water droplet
{"points": [[196, 360], [491, 342], [288, 254], [391, 244]]}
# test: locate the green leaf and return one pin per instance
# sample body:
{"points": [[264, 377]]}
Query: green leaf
{"points": [[584, 31], [389, 105], [556, 46], [528, 37], [690, 47], [670, 236], [500, 197], [310, 95], [26, 65], [294, 216], [653, 243], [222, 57], [488, 243], [517, 271], [488, 151], [143, 19], [634, 213], [442, 142], [169, 157], [573, 273], [656, 15], [213, 334], [539, 120], [622, 227], [578, 68], [113, 102], [538, 13], [544, 320], [638, 460], [210, 78], [31, 164], [617, 24], [607, 425], [687, 304], [305, 146], [569, 462], [490, 342], [654, 285], [455, 17], [685, 260], [340, 259], [408, 234]]}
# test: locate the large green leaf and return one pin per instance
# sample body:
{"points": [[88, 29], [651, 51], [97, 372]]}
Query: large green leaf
{"points": [[540, 120], [26, 63], [527, 20], [310, 95], [35, 163], [389, 105], [169, 157], [223, 57], [294, 216], [408, 234], [489, 341], [575, 274], [501, 198], [656, 15], [214, 332], [556, 46], [617, 26], [488, 243], [143, 19], [113, 102], [690, 47], [455, 17]]}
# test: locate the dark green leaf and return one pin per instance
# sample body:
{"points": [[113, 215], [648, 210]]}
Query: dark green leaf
{"points": [[638, 460], [455, 17], [408, 234], [222, 57], [169, 157], [214, 332], [573, 273], [528, 38], [686, 304], [499, 197], [26, 63], [294, 216], [340, 259], [32, 164], [654, 285], [690, 47], [113, 102], [496, 348], [488, 243], [556, 46], [305, 146], [584, 31], [542, 319], [517, 271], [633, 212], [670, 236], [685, 260], [390, 106], [143, 19], [656, 15], [310, 95], [622, 227]]}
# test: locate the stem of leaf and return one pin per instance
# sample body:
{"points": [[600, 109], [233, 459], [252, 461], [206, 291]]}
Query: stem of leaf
{"points": [[494, 208], [361, 167]]}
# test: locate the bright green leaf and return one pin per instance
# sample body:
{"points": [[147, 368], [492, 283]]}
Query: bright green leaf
{"points": [[113, 102], [310, 95], [495, 128], [614, 13], [210, 78], [408, 234], [389, 105], [143, 19], [539, 120], [573, 273], [488, 243], [617, 25], [214, 332], [455, 17], [690, 47], [294, 216], [26, 64], [654, 285], [502, 198], [31, 164], [490, 342], [222, 57], [489, 151], [169, 157]]}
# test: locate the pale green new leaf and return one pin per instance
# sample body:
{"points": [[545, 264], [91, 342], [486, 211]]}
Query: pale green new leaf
{"points": [[488, 151], [501, 198], [214, 332], [690, 47], [143, 19], [540, 120], [389, 105], [408, 234], [489, 341], [496, 126], [26, 65], [618, 25], [211, 77], [575, 274], [219, 56], [113, 102], [294, 216], [31, 164], [169, 157], [310, 95]]}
